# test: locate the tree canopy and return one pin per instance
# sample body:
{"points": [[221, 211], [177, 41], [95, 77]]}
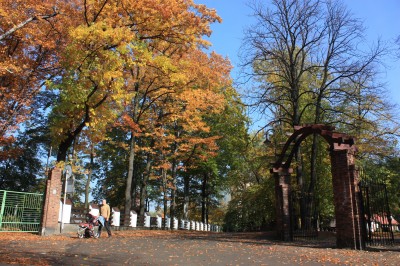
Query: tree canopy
{"points": [[130, 94]]}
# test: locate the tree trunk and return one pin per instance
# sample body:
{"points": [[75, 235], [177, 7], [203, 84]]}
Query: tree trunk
{"points": [[143, 189], [207, 207], [87, 186], [165, 196], [174, 170], [134, 185], [204, 198], [63, 148], [128, 189], [173, 192], [313, 160], [132, 151], [186, 197], [67, 142]]}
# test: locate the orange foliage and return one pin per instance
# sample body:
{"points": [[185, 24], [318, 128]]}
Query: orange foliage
{"points": [[107, 53], [31, 35]]}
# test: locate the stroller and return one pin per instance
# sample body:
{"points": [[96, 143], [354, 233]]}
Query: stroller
{"points": [[86, 230]]}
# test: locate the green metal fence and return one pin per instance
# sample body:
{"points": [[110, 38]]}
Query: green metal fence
{"points": [[20, 211]]}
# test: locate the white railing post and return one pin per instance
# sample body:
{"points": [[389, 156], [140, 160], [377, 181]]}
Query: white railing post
{"points": [[133, 219], [115, 216]]}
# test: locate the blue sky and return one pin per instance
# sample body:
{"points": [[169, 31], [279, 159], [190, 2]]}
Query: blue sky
{"points": [[381, 19]]}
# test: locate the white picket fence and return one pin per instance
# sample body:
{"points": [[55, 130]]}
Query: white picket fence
{"points": [[147, 223]]}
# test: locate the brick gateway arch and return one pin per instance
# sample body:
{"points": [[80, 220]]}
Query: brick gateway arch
{"points": [[345, 185]]}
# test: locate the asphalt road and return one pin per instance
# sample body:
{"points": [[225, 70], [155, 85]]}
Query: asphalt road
{"points": [[151, 247]]}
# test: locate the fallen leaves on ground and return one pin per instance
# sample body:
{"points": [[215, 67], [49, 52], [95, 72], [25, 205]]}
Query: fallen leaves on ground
{"points": [[181, 248]]}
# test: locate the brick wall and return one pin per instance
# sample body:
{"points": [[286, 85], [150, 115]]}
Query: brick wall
{"points": [[51, 206], [346, 200], [282, 195]]}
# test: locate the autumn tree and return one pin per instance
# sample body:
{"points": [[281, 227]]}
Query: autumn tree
{"points": [[130, 60], [185, 134], [110, 168], [172, 130], [161, 72], [31, 37], [219, 172], [21, 172], [251, 188], [92, 82], [302, 53]]}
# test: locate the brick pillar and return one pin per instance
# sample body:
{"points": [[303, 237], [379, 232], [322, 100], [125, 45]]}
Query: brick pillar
{"points": [[51, 206], [346, 198], [282, 195]]}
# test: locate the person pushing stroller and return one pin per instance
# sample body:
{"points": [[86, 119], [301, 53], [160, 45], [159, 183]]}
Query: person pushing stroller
{"points": [[104, 218], [86, 229]]}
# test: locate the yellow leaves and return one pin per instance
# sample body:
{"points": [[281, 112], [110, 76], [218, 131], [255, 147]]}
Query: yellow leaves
{"points": [[60, 165], [100, 42], [164, 63], [3, 13], [134, 49], [179, 78]]}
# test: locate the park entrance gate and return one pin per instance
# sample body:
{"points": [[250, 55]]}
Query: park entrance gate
{"points": [[377, 222], [347, 202], [20, 212], [304, 218]]}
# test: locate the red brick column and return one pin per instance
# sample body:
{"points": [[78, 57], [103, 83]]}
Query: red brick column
{"points": [[282, 194], [346, 198], [51, 206]]}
